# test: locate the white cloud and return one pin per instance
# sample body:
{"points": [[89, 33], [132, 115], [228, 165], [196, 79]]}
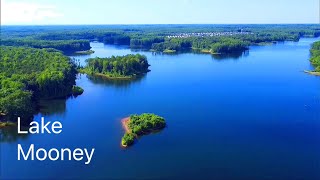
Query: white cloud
{"points": [[21, 12]]}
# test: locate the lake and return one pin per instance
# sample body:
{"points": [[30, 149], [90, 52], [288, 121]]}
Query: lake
{"points": [[254, 115]]}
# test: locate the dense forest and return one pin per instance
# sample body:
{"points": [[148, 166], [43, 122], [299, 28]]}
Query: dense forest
{"points": [[140, 125], [29, 74], [118, 66], [205, 44], [315, 56], [67, 46], [156, 37]]}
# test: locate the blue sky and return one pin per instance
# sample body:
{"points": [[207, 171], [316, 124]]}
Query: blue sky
{"points": [[43, 12]]}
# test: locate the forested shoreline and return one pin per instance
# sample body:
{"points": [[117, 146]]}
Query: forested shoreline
{"points": [[33, 66], [28, 75], [66, 46], [160, 38], [315, 58]]}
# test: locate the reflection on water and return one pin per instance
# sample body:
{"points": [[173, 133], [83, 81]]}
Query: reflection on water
{"points": [[10, 134], [123, 83], [233, 56], [58, 106], [53, 106], [46, 108]]}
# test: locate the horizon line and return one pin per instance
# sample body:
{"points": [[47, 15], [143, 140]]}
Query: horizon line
{"points": [[160, 24]]}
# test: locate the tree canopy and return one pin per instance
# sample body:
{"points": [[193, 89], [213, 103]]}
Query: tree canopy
{"points": [[139, 125], [77, 38], [145, 123], [118, 66], [67, 46], [28, 74], [315, 55]]}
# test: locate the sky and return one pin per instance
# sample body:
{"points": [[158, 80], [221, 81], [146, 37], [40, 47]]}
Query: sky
{"points": [[54, 12]]}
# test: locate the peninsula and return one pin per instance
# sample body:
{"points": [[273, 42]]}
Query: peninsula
{"points": [[315, 58]]}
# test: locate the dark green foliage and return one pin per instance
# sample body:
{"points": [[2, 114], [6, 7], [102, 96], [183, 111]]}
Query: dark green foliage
{"points": [[118, 66], [76, 90], [270, 36], [145, 123], [229, 46], [62, 45], [15, 102], [145, 42], [28, 74], [76, 38], [315, 55], [140, 125], [117, 39], [172, 44], [221, 44], [127, 139]]}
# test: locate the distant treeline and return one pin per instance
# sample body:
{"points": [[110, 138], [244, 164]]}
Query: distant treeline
{"points": [[29, 74], [315, 55], [118, 66], [208, 44], [76, 38], [62, 45]]}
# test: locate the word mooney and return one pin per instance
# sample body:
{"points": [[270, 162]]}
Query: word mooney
{"points": [[52, 154]]}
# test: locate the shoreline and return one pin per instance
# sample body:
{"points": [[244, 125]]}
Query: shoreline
{"points": [[7, 124], [169, 51], [85, 52], [125, 122], [312, 73], [134, 127], [113, 78]]}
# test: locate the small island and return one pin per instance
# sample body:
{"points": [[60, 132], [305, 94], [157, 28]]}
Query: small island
{"points": [[117, 67], [169, 51], [139, 125], [86, 52], [76, 90]]}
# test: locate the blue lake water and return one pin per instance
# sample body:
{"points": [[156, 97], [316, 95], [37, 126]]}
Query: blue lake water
{"points": [[256, 116]]}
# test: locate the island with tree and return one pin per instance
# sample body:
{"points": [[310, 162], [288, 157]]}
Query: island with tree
{"points": [[117, 67], [139, 125]]}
